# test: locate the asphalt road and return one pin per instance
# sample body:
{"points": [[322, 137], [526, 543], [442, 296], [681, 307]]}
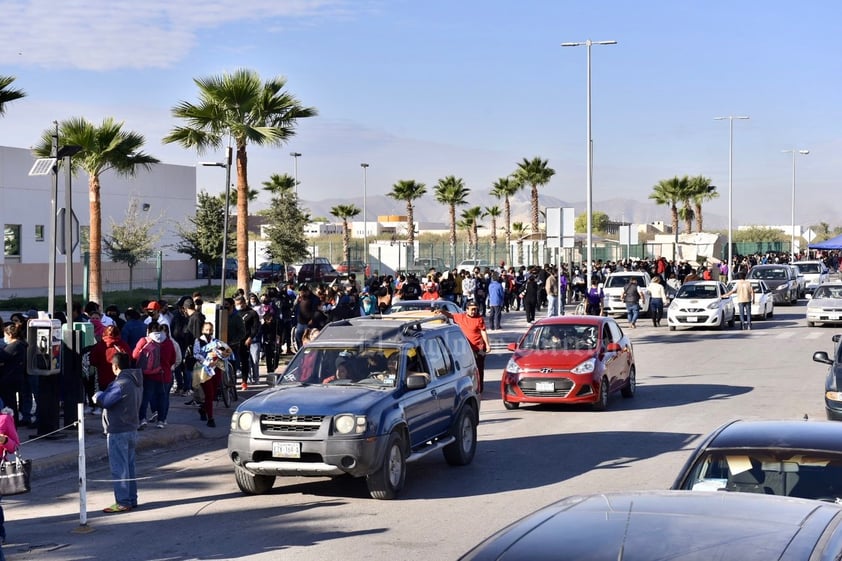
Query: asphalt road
{"points": [[689, 382]]}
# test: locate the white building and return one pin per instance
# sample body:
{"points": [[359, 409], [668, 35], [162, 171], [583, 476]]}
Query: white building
{"points": [[167, 193], [316, 229]]}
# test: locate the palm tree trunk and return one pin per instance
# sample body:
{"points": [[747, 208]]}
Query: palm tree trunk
{"points": [[410, 231], [699, 221], [520, 251], [674, 209], [535, 209], [452, 235], [242, 217], [95, 265], [475, 233], [346, 242], [494, 239], [508, 210]]}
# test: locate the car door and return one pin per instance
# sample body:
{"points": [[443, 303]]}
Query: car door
{"points": [[621, 361], [420, 406], [444, 379]]}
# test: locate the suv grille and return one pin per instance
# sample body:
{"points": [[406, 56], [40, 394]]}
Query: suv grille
{"points": [[290, 423]]}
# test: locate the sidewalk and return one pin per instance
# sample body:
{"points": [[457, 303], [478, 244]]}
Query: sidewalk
{"points": [[49, 456]]}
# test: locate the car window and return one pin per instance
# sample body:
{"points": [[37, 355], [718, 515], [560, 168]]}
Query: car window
{"points": [[807, 475], [778, 273], [607, 337], [459, 348], [700, 291], [616, 331], [828, 292], [619, 281], [334, 365], [566, 337], [809, 268], [437, 358]]}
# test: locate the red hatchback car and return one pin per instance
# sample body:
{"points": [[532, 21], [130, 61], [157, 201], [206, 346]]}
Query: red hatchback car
{"points": [[569, 359]]}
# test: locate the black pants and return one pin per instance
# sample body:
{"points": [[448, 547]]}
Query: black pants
{"points": [[529, 308]]}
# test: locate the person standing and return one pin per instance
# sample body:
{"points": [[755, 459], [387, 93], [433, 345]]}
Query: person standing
{"points": [[631, 296], [9, 442], [496, 300], [13, 367], [473, 326], [121, 402], [657, 296], [745, 296], [551, 287], [530, 298], [594, 299]]}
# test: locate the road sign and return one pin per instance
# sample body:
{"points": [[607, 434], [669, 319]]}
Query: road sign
{"points": [[809, 235], [74, 231]]}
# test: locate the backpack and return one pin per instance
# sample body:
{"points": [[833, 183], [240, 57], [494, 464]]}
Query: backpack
{"points": [[149, 360]]}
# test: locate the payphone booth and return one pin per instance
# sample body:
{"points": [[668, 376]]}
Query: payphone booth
{"points": [[43, 337]]}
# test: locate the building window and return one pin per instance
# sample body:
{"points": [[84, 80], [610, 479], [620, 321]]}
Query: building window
{"points": [[11, 237], [39, 232]]}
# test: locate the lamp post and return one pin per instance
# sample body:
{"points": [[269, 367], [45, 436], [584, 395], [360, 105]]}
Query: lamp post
{"points": [[365, 218], [730, 180], [589, 193], [295, 156], [227, 165], [794, 153]]}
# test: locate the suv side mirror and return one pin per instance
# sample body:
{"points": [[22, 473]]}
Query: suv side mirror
{"points": [[417, 381], [821, 356]]}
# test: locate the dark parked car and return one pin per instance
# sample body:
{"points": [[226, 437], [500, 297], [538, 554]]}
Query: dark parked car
{"points": [[833, 381], [319, 271], [270, 272], [204, 270], [674, 525], [354, 266], [790, 458], [569, 360], [365, 398]]}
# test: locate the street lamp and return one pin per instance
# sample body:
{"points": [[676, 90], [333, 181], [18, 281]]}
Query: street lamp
{"points": [[794, 152], [589, 195], [227, 165], [365, 218], [730, 179], [295, 156]]}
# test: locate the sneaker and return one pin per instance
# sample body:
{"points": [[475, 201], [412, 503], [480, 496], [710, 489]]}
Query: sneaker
{"points": [[191, 402], [244, 386], [143, 423], [161, 424], [211, 423]]}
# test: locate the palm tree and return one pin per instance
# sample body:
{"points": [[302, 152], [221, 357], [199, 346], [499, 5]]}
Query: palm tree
{"points": [[7, 94], [520, 230], [344, 212], [505, 188], [244, 109], [474, 215], [451, 191], [701, 191], [408, 190], [670, 192], [280, 184], [687, 214], [106, 147], [535, 173], [465, 224], [493, 212]]}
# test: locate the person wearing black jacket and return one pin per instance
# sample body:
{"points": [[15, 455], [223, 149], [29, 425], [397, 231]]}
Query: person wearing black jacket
{"points": [[13, 366], [249, 351]]}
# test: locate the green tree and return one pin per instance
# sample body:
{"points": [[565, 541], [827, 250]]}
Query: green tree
{"points": [[669, 192], [106, 147], [599, 222], [8, 94], [279, 184], [505, 188], [244, 109], [131, 241], [760, 234], [535, 173], [203, 241], [520, 231], [451, 191], [285, 229], [687, 214], [701, 191], [344, 212], [408, 190]]}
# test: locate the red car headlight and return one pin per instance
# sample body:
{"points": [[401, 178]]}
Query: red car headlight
{"points": [[512, 367], [586, 367]]}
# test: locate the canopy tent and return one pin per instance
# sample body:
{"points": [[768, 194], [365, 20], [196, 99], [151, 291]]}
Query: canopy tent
{"points": [[832, 243]]}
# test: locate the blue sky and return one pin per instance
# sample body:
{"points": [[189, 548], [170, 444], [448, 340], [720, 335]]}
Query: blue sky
{"points": [[424, 89]]}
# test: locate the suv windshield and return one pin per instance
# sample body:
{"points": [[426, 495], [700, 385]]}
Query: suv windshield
{"points": [[828, 292], [809, 268], [353, 365], [619, 281], [778, 273]]}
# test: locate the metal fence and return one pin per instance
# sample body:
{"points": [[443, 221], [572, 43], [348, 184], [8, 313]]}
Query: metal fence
{"points": [[117, 276]]}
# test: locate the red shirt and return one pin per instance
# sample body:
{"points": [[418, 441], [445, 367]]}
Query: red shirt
{"points": [[472, 327]]}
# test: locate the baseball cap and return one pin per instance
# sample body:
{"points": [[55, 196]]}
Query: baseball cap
{"points": [[153, 306]]}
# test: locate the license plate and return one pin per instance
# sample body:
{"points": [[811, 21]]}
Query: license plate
{"points": [[286, 449], [544, 386], [692, 319]]}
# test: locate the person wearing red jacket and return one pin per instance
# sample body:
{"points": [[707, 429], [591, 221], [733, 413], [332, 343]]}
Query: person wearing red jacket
{"points": [[104, 351], [9, 442], [156, 377]]}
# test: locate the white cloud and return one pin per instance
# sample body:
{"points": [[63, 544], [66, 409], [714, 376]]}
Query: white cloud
{"points": [[112, 34]]}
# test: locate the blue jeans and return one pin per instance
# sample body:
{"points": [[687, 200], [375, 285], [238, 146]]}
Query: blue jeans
{"points": [[496, 316], [121, 456], [254, 362], [656, 308], [745, 314], [633, 311], [552, 306], [157, 397]]}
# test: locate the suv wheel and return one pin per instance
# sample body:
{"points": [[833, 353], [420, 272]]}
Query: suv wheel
{"points": [[461, 451], [386, 482], [252, 484]]}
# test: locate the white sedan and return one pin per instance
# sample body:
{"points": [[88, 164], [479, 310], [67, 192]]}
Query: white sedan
{"points": [[826, 304], [701, 303], [763, 306]]}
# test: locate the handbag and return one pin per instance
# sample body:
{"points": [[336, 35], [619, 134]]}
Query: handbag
{"points": [[15, 476]]}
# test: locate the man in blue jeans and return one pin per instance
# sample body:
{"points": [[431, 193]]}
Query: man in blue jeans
{"points": [[631, 296], [121, 402]]}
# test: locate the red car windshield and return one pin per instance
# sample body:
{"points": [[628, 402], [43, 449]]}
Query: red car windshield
{"points": [[567, 337]]}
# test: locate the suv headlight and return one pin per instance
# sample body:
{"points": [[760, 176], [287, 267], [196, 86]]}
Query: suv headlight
{"points": [[782, 287], [349, 424], [586, 367], [242, 421], [512, 367]]}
